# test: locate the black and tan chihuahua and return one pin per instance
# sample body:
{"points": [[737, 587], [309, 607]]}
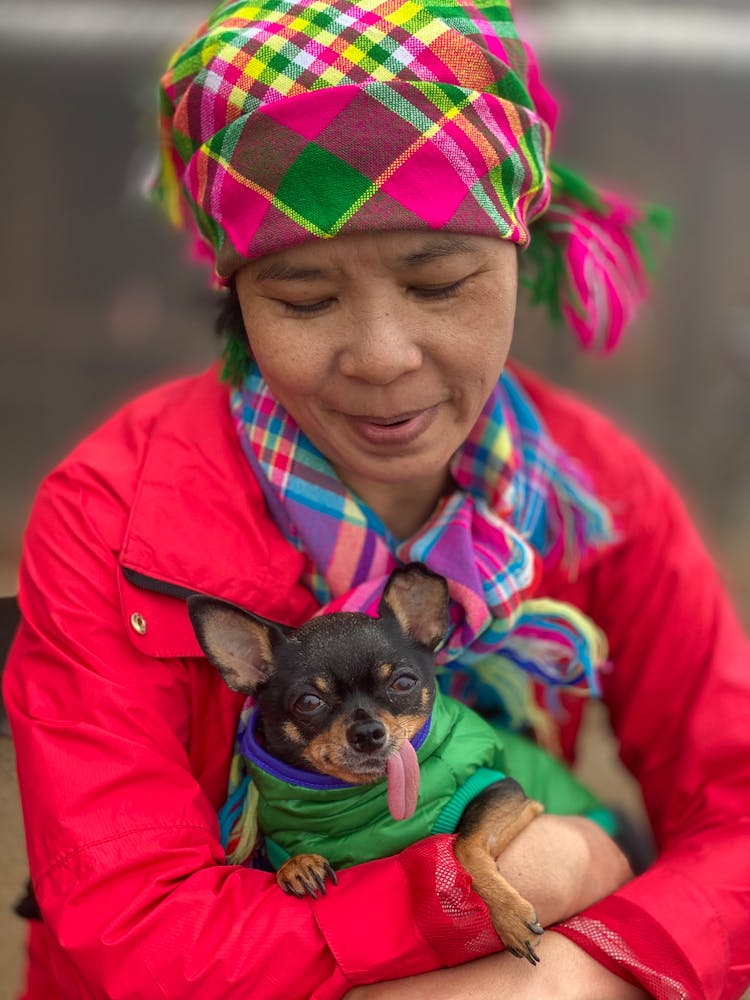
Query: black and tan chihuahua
{"points": [[342, 696]]}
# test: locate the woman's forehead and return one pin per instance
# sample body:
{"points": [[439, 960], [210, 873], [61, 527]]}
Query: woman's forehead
{"points": [[394, 250]]}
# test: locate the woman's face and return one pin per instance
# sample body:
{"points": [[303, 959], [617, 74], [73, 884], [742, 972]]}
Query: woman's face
{"points": [[383, 346]]}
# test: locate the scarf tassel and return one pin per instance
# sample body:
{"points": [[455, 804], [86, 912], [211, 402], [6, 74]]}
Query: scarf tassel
{"points": [[589, 257], [238, 823], [552, 643], [558, 645], [238, 817], [579, 521]]}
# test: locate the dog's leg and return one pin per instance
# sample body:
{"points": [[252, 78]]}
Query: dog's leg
{"points": [[489, 823]]}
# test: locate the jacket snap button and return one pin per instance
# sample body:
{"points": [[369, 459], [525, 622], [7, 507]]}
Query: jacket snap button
{"points": [[138, 622]]}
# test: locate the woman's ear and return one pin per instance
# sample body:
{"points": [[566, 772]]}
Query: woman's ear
{"points": [[418, 599], [239, 644]]}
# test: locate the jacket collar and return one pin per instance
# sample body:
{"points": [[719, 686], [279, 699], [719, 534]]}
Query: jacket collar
{"points": [[198, 524]]}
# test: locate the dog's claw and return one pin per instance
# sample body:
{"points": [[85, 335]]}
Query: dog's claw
{"points": [[307, 888], [320, 882], [292, 890], [530, 955], [305, 875], [516, 940], [527, 952]]}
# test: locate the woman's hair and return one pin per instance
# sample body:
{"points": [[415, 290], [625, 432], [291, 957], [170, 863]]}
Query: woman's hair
{"points": [[230, 325]]}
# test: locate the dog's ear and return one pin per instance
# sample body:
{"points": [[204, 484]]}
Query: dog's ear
{"points": [[418, 599], [240, 645]]}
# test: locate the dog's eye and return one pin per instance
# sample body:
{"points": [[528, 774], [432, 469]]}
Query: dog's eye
{"points": [[308, 703], [403, 683]]}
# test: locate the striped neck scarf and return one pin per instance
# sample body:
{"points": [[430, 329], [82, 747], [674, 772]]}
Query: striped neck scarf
{"points": [[518, 500]]}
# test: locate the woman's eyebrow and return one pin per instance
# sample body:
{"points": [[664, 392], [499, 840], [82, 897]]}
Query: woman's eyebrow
{"points": [[281, 270], [435, 250]]}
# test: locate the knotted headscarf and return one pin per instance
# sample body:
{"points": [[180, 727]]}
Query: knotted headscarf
{"points": [[286, 121]]}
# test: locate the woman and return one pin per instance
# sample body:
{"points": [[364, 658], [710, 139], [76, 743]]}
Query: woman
{"points": [[362, 178]]}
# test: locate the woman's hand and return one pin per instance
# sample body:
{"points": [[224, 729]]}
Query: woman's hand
{"points": [[564, 973]]}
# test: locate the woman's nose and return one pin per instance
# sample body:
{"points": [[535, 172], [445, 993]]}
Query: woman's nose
{"points": [[379, 349]]}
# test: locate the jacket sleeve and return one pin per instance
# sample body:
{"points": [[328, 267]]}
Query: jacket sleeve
{"points": [[679, 700], [123, 842]]}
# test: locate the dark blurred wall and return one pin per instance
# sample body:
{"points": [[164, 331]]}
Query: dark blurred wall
{"points": [[99, 301]]}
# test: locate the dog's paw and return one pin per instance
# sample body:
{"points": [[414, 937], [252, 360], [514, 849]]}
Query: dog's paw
{"points": [[520, 932], [305, 875]]}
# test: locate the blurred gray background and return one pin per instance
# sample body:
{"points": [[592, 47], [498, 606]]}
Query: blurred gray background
{"points": [[99, 300]]}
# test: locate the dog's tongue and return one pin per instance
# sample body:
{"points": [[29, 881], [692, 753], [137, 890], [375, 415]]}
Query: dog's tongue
{"points": [[403, 781]]}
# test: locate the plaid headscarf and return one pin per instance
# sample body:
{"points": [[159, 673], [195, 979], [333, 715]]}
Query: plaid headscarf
{"points": [[284, 121]]}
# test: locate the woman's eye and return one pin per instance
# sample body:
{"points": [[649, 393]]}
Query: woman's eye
{"points": [[306, 308], [306, 704], [438, 291], [403, 683]]}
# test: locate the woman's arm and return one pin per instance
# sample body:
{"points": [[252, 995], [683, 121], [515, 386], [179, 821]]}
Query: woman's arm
{"points": [[122, 837], [562, 864]]}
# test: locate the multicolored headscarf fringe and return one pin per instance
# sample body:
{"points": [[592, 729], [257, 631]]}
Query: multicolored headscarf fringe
{"points": [[589, 258]]}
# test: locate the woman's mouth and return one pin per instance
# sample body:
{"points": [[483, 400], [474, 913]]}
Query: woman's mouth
{"points": [[399, 429]]}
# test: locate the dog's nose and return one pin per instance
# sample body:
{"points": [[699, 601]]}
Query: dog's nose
{"points": [[367, 735]]}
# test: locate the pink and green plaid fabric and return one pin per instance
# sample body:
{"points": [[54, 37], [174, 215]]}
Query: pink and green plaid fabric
{"points": [[285, 121], [293, 120]]}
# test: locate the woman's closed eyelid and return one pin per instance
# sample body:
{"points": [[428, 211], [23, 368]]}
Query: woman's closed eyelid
{"points": [[437, 291], [307, 308], [423, 291]]}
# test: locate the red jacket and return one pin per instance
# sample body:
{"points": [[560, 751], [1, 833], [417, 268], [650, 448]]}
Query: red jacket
{"points": [[123, 734]]}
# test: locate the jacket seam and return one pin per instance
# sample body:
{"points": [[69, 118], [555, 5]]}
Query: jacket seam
{"points": [[119, 836]]}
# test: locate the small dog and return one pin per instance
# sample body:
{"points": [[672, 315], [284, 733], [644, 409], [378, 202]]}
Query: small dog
{"points": [[343, 696]]}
